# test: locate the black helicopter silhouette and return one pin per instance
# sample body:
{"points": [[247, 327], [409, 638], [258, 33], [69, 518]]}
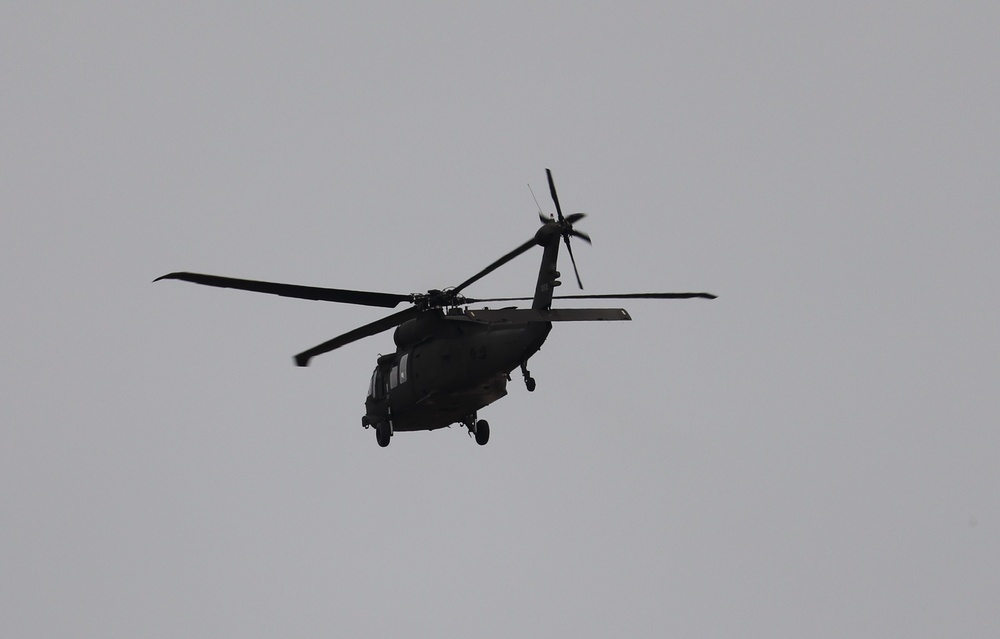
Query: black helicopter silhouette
{"points": [[451, 361]]}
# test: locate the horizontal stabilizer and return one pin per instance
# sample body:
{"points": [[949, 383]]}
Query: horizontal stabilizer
{"points": [[528, 315]]}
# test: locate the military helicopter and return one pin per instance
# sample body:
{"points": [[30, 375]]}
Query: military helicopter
{"points": [[451, 361]]}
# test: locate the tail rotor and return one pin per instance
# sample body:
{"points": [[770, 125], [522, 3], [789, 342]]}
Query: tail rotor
{"points": [[566, 226]]}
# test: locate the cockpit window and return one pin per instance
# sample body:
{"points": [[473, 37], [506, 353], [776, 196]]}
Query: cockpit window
{"points": [[402, 367]]}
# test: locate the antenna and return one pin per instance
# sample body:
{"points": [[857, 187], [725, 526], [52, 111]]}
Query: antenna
{"points": [[540, 214]]}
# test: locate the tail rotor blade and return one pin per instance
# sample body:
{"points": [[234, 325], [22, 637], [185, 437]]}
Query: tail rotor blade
{"points": [[566, 226], [555, 197], [569, 249]]}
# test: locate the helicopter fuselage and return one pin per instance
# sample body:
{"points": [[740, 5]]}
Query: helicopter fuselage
{"points": [[446, 367]]}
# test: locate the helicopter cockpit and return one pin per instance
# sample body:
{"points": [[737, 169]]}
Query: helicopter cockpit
{"points": [[376, 385], [388, 375]]}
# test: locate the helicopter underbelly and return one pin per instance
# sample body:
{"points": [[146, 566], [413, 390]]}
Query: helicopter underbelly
{"points": [[448, 407]]}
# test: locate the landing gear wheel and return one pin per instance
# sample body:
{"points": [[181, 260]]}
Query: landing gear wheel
{"points": [[482, 432], [382, 434], [529, 381]]}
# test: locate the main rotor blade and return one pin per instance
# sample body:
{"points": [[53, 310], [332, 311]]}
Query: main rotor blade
{"points": [[530, 315], [555, 198], [613, 296], [495, 265], [384, 324], [626, 296], [363, 298]]}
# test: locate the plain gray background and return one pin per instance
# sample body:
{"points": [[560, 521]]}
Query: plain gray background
{"points": [[812, 454]]}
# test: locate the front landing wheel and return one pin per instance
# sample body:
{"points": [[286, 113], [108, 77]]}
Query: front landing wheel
{"points": [[382, 434], [482, 432]]}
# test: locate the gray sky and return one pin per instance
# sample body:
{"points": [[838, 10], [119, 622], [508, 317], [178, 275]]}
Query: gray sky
{"points": [[812, 454]]}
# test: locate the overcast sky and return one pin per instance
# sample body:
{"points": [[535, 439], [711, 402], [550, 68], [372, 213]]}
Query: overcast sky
{"points": [[815, 453]]}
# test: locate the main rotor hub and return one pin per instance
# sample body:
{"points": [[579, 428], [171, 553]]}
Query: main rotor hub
{"points": [[435, 298]]}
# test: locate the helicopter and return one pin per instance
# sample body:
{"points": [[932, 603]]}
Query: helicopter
{"points": [[451, 361]]}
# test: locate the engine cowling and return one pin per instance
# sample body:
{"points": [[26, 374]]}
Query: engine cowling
{"points": [[415, 330]]}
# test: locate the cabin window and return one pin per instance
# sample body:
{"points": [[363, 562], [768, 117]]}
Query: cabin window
{"points": [[402, 367], [394, 377], [377, 387]]}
